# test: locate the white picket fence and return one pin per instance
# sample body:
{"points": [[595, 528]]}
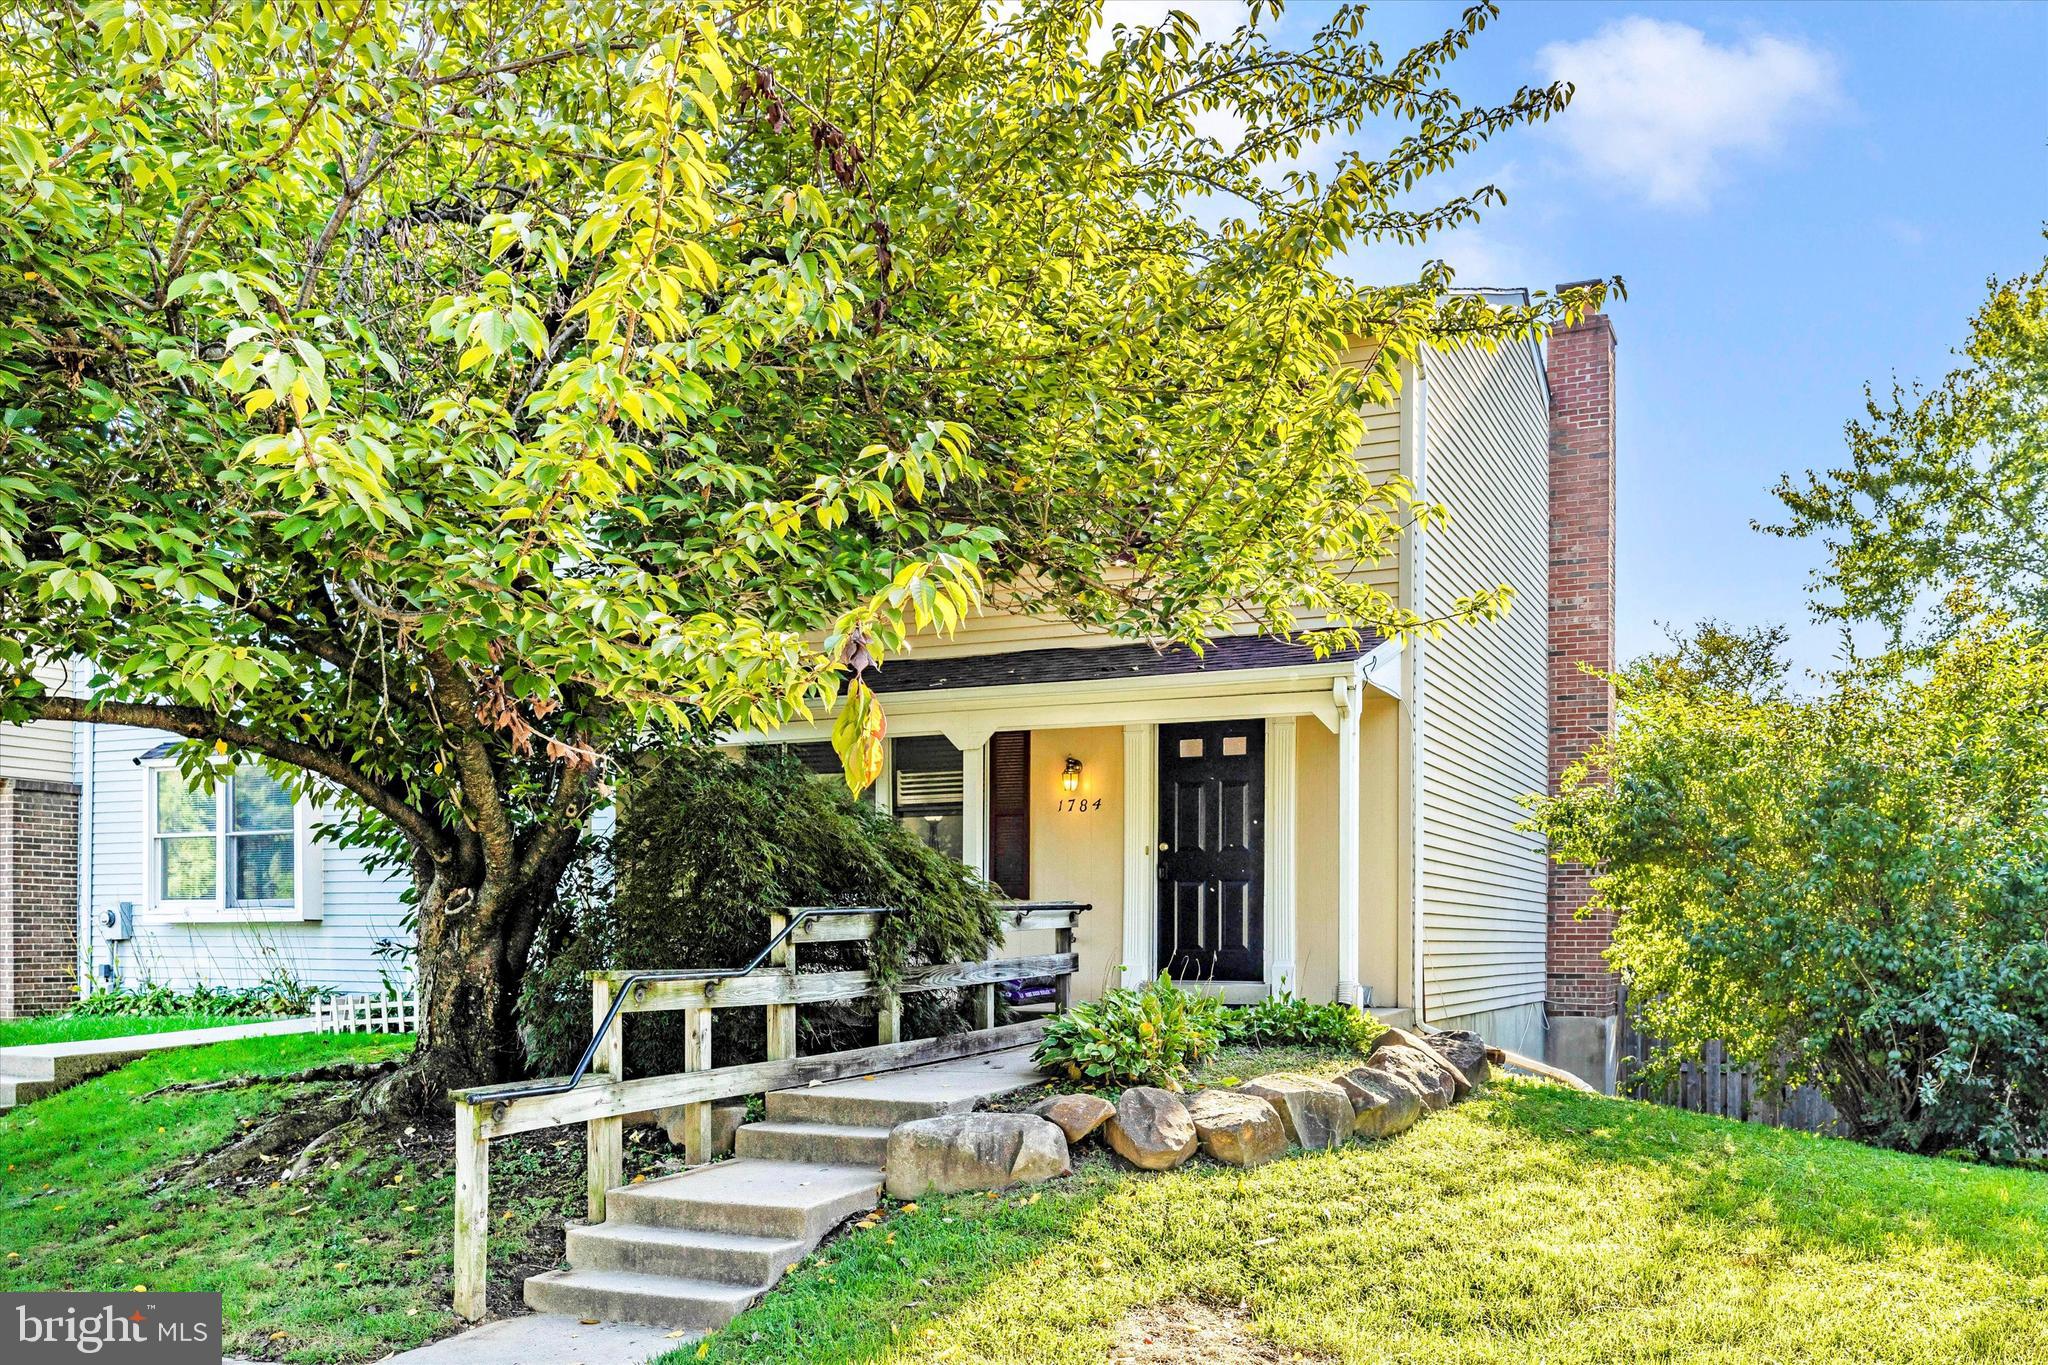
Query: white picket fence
{"points": [[367, 1014]]}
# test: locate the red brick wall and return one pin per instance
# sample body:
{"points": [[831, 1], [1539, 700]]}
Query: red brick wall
{"points": [[38, 897], [1581, 631]]}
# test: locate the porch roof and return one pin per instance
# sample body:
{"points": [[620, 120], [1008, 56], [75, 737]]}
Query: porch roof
{"points": [[1104, 663]]}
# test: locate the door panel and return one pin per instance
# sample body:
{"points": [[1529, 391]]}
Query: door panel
{"points": [[1212, 851]]}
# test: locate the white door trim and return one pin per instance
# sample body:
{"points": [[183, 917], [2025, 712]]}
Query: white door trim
{"points": [[1279, 890]]}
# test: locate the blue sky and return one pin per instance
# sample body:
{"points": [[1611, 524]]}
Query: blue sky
{"points": [[1801, 198]]}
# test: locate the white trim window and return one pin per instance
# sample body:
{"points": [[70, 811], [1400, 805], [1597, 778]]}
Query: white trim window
{"points": [[239, 852]]}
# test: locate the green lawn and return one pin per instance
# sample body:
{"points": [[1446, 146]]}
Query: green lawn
{"points": [[76, 1028], [347, 1263], [1531, 1223]]}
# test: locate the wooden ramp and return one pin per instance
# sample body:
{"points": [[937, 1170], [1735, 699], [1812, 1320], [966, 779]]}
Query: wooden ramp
{"points": [[694, 1250]]}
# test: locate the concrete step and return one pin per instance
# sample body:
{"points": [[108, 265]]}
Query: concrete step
{"points": [[26, 1066], [796, 1200], [684, 1253], [6, 1096], [624, 1295], [892, 1097], [839, 1143]]}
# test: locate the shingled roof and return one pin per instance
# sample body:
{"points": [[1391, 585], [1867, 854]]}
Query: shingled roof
{"points": [[1222, 654]]}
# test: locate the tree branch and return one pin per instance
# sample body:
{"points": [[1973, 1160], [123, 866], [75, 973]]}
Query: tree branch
{"points": [[195, 723]]}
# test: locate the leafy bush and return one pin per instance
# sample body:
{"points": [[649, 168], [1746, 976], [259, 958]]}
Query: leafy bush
{"points": [[1153, 1035], [705, 849], [277, 994], [1851, 890], [1287, 1019]]}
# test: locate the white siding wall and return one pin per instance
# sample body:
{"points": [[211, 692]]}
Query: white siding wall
{"points": [[998, 630], [1484, 691], [41, 750], [358, 907]]}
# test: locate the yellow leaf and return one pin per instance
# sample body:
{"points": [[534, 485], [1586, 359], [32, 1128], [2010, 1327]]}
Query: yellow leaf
{"points": [[703, 1349]]}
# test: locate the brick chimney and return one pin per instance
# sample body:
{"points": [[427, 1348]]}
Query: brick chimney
{"points": [[1583, 996]]}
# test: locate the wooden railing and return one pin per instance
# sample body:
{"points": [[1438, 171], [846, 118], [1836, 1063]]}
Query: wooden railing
{"points": [[603, 1100]]}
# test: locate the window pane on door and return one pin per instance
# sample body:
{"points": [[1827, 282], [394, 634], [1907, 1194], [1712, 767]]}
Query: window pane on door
{"points": [[260, 801], [263, 868], [186, 870], [180, 807]]}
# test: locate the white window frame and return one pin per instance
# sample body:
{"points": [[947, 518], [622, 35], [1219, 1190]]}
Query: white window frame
{"points": [[305, 902]]}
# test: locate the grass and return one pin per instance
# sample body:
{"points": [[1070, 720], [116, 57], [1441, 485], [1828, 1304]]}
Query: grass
{"points": [[104, 1189], [1531, 1223], [78, 1028]]}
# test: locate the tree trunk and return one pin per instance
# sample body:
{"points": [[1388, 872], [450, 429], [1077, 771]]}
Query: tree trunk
{"points": [[474, 940]]}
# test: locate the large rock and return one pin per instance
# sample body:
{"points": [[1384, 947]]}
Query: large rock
{"points": [[1237, 1129], [1401, 1038], [1316, 1114], [1151, 1128], [1431, 1078], [1466, 1051], [1383, 1102], [1077, 1115], [956, 1152]]}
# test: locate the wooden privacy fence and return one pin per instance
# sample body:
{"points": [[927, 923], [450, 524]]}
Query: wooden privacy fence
{"points": [[602, 1100], [1711, 1084]]}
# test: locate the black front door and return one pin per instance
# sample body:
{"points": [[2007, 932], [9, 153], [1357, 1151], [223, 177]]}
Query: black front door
{"points": [[1212, 851]]}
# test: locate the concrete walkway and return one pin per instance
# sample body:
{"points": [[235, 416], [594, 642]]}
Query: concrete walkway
{"points": [[543, 1339], [33, 1070]]}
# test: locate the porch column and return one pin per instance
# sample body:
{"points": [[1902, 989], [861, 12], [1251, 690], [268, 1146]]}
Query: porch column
{"points": [[1141, 833], [1346, 693], [1280, 968], [974, 806]]}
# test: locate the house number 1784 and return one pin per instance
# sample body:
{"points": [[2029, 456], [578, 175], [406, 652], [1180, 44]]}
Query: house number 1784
{"points": [[1078, 804]]}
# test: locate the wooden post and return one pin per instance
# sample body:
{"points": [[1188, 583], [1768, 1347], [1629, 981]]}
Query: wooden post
{"points": [[1062, 942], [889, 1018], [697, 1057], [604, 1139], [985, 1007], [472, 1211], [781, 1018]]}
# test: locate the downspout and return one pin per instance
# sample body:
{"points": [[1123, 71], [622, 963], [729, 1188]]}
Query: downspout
{"points": [[1415, 589], [83, 750]]}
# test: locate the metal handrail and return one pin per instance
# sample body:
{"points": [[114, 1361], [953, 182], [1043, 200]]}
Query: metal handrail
{"points": [[521, 1090]]}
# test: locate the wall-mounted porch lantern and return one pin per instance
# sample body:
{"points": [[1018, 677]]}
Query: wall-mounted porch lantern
{"points": [[1070, 780]]}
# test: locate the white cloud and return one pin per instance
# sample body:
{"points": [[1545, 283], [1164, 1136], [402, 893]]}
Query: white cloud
{"points": [[1662, 111]]}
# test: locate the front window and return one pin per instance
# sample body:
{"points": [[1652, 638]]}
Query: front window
{"points": [[929, 792], [233, 847]]}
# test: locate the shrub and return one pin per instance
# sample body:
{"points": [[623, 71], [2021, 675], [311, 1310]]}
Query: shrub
{"points": [[1851, 889], [1153, 1035], [1287, 1019], [705, 849], [276, 994]]}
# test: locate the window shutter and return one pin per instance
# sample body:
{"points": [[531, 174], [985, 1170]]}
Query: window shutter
{"points": [[1009, 812]]}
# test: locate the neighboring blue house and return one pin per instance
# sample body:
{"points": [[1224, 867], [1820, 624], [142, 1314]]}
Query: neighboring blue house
{"points": [[177, 886]]}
